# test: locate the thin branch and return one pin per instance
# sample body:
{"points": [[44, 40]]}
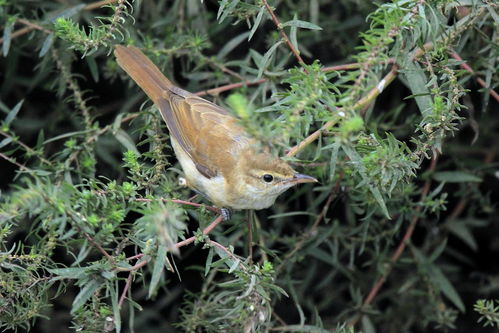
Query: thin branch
{"points": [[478, 79], [180, 244], [218, 90], [226, 250], [206, 231], [97, 246], [125, 289], [182, 202], [13, 161], [28, 149], [278, 24]]}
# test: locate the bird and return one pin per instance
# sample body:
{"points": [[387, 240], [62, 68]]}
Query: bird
{"points": [[220, 160]]}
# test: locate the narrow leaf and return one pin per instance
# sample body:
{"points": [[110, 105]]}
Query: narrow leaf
{"points": [[159, 265], [301, 24], [47, 43], [13, 113], [446, 287], [85, 293], [5, 142], [209, 260], [126, 140], [456, 177], [266, 58], [92, 66], [256, 23], [417, 81], [114, 291], [232, 44], [7, 33]]}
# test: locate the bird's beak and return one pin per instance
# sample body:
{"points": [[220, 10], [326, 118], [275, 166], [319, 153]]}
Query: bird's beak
{"points": [[299, 178]]}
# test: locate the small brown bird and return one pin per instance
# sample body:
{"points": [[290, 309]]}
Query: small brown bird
{"points": [[220, 160]]}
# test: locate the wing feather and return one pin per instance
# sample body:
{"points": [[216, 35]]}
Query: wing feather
{"points": [[207, 133]]}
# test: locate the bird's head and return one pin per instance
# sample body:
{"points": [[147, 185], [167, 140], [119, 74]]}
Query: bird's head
{"points": [[264, 177]]}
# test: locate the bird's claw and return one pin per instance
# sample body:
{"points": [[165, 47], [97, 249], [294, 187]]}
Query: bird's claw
{"points": [[226, 213]]}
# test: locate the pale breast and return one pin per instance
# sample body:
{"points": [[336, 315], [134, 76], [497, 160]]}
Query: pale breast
{"points": [[213, 188]]}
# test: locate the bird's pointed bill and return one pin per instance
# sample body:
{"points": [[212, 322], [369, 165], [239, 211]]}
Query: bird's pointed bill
{"points": [[299, 178]]}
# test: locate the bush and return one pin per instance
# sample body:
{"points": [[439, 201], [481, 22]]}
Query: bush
{"points": [[98, 234]]}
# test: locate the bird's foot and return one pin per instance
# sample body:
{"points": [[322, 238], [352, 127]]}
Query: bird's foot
{"points": [[226, 213]]}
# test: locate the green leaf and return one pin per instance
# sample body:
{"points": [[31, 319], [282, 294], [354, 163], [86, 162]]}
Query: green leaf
{"points": [[114, 291], [462, 231], [159, 265], [293, 34], [209, 260], [224, 12], [367, 325], [446, 287], [92, 66], [126, 140], [47, 43], [85, 293], [456, 177], [69, 273], [7, 33], [266, 58], [67, 135], [231, 44], [66, 13], [13, 113], [361, 169], [417, 81], [257, 22], [301, 24], [234, 266], [5, 142], [438, 251]]}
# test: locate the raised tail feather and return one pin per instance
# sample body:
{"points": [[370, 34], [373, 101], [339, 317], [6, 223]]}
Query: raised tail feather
{"points": [[143, 71]]}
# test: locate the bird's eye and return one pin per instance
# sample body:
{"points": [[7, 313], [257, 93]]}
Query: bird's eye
{"points": [[267, 178]]}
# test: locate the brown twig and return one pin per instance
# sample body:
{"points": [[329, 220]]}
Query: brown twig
{"points": [[226, 250], [97, 246], [206, 231], [125, 289], [13, 161], [402, 245], [30, 150], [278, 24], [218, 90], [478, 79], [182, 202]]}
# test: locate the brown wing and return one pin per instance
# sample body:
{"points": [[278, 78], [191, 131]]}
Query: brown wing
{"points": [[206, 132]]}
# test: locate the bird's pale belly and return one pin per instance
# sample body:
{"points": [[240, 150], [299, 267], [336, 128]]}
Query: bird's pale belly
{"points": [[214, 188]]}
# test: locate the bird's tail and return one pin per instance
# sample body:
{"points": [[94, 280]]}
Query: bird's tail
{"points": [[143, 71]]}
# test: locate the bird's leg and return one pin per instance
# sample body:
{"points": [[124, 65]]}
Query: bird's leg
{"points": [[226, 213], [249, 217]]}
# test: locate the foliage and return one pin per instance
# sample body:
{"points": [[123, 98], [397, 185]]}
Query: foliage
{"points": [[98, 234]]}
